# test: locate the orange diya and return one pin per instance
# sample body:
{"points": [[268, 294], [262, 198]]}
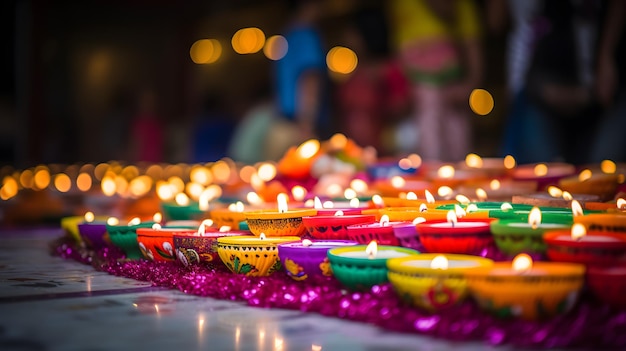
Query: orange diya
{"points": [[526, 289], [280, 222], [604, 222]]}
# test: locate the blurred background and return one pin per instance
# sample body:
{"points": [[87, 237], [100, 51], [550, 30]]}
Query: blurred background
{"points": [[167, 81]]}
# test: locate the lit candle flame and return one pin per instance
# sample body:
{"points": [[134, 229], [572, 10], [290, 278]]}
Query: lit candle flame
{"points": [[534, 217], [444, 191], [473, 161], [397, 182], [578, 231], [439, 262], [202, 228], [307, 243], [281, 199], [451, 217], [567, 196], [254, 198], [471, 208], [339, 213], [134, 221], [411, 196], [298, 192], [584, 175], [384, 220], [445, 172], [423, 207], [371, 250], [157, 217], [522, 263], [621, 204], [182, 199], [317, 203], [555, 191], [459, 211], [262, 236], [308, 149], [419, 220], [481, 194], [225, 228], [89, 217], [462, 199], [113, 221], [203, 200], [577, 209], [156, 226], [429, 197], [349, 194], [506, 206], [328, 204], [355, 203], [378, 201], [495, 184]]}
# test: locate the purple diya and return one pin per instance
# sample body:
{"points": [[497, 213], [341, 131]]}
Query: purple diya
{"points": [[94, 235], [305, 258], [406, 233], [192, 248]]}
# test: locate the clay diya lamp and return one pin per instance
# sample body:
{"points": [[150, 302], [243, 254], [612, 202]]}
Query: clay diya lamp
{"points": [[280, 222], [307, 258], [230, 216], [453, 235], [543, 174], [381, 232], [194, 247], [250, 255], [333, 227], [124, 236]]}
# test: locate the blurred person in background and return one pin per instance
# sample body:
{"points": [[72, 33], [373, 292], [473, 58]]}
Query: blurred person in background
{"points": [[438, 45]]}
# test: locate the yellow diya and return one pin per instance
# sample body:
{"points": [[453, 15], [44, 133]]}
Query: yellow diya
{"points": [[600, 184], [604, 222], [432, 281], [250, 255], [280, 222], [525, 289]]}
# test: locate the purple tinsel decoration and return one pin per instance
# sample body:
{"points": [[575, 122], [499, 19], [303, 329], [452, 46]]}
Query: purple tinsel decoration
{"points": [[591, 324]]}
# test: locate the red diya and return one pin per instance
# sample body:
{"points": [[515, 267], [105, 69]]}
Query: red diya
{"points": [[381, 232], [578, 246], [608, 284], [333, 227], [200, 247], [466, 236]]}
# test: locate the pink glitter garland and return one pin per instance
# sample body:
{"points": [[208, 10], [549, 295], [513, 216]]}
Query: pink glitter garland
{"points": [[590, 324]]}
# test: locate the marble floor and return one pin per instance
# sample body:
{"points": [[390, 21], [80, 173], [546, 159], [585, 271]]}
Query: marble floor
{"points": [[48, 303]]}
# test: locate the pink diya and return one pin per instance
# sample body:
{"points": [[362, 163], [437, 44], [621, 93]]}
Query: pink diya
{"points": [[381, 232], [464, 236], [200, 246], [578, 246], [334, 226], [306, 258]]}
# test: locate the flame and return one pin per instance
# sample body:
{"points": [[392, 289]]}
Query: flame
{"points": [[446, 172], [203, 225], [203, 200], [459, 212], [339, 213], [397, 182], [308, 149], [266, 172], [451, 217], [419, 220], [359, 185], [134, 221], [621, 204], [281, 200], [317, 203], [522, 263], [471, 208], [182, 199], [584, 175], [371, 250], [429, 197], [494, 184], [156, 226], [378, 201], [555, 191], [254, 198], [439, 262], [262, 236], [113, 221], [481, 194], [349, 193], [534, 217], [157, 217], [577, 209], [307, 243], [462, 199], [473, 161], [89, 217], [567, 196], [423, 207], [225, 228], [578, 231], [444, 191], [298, 192], [384, 220], [506, 206], [509, 162], [355, 203], [328, 204], [411, 196]]}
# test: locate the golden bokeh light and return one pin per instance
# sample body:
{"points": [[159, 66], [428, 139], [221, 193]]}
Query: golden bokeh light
{"points": [[221, 172], [341, 60], [83, 182], [267, 171], [140, 186], [100, 170], [26, 178], [42, 178], [155, 172], [608, 166], [584, 175], [541, 170], [276, 47], [248, 40], [481, 102], [246, 172], [473, 161], [509, 162], [108, 186], [201, 175], [205, 51], [62, 182]]}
